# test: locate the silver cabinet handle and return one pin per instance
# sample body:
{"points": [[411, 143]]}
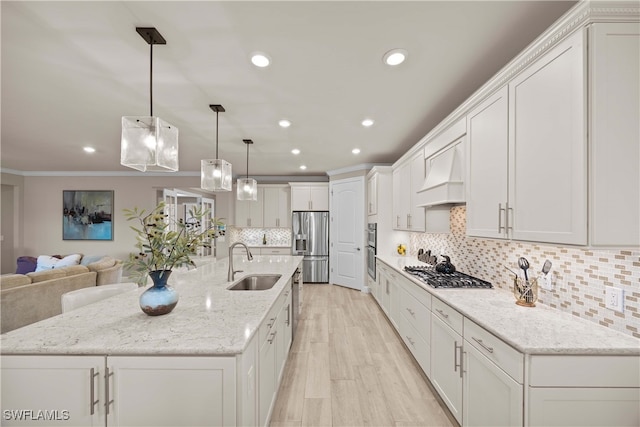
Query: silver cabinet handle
{"points": [[457, 365], [408, 220], [411, 312], [288, 315], [310, 205], [500, 227], [273, 337], [93, 374], [483, 345], [108, 401], [271, 322], [442, 313], [506, 215], [410, 340], [397, 221]]}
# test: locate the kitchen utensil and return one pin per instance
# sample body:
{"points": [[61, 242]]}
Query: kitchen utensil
{"points": [[445, 266], [546, 267], [525, 292], [524, 265], [420, 251], [514, 273]]}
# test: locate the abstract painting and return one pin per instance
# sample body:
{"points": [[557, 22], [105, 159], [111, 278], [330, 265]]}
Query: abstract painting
{"points": [[87, 215]]}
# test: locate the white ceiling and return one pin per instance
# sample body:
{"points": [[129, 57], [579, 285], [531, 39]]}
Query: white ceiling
{"points": [[70, 70]]}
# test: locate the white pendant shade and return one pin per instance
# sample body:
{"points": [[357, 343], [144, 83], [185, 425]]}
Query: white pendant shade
{"points": [[149, 144], [215, 175], [247, 189]]}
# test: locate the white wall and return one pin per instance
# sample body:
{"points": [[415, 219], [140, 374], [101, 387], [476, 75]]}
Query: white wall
{"points": [[40, 217]]}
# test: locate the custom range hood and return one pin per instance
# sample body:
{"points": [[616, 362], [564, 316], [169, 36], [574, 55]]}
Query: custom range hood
{"points": [[444, 173]]}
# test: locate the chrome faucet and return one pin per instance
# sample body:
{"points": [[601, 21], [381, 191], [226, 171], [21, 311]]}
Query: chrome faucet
{"points": [[233, 272]]}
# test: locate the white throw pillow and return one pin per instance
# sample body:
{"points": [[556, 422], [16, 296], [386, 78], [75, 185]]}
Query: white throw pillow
{"points": [[73, 259], [46, 262]]}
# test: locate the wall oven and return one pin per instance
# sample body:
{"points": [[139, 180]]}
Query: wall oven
{"points": [[371, 249]]}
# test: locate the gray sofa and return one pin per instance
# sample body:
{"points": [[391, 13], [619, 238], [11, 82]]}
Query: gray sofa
{"points": [[29, 298]]}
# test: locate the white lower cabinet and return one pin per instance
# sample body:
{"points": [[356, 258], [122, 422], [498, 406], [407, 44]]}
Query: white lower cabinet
{"points": [[383, 288], [415, 323], [584, 391], [118, 390], [493, 394], [170, 391], [275, 336], [446, 356], [31, 384]]}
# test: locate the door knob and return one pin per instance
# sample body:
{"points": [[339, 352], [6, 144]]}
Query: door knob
{"points": [[357, 249]]}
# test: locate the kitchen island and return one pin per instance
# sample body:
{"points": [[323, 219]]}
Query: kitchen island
{"points": [[216, 359], [494, 362]]}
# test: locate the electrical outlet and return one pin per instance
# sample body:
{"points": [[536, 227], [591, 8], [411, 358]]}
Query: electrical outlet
{"points": [[545, 281], [614, 299]]}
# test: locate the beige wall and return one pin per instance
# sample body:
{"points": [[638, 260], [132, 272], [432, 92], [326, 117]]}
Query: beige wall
{"points": [[40, 217]]}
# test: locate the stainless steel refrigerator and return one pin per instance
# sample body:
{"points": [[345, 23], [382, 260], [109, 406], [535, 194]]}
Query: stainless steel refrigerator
{"points": [[311, 240]]}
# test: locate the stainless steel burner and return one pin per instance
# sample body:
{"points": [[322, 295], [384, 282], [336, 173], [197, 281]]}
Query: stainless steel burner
{"points": [[446, 280]]}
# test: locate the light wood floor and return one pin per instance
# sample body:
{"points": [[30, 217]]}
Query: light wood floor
{"points": [[347, 367]]}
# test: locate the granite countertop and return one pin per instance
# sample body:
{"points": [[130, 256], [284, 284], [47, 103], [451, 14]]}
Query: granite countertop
{"points": [[531, 330], [208, 320]]}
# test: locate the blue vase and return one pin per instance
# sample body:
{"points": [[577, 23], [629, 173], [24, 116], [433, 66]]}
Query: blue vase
{"points": [[160, 298]]}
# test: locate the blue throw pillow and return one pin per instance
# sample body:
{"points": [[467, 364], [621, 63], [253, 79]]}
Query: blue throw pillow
{"points": [[90, 259], [26, 264]]}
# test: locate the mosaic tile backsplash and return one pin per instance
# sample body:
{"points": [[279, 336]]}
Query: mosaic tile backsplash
{"points": [[253, 236], [580, 276]]}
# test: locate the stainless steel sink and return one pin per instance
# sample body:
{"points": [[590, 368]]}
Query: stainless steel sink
{"points": [[255, 282]]}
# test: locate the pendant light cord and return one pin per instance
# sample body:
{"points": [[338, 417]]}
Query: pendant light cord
{"points": [[217, 134], [247, 161], [151, 78]]}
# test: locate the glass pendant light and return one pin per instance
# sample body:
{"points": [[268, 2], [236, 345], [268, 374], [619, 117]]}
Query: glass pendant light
{"points": [[149, 144], [215, 174], [247, 187]]}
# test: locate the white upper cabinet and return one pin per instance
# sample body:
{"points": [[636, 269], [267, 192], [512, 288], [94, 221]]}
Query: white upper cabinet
{"points": [[407, 180], [547, 147], [309, 196], [249, 213], [615, 134], [372, 194], [553, 155], [276, 206], [487, 160], [526, 159]]}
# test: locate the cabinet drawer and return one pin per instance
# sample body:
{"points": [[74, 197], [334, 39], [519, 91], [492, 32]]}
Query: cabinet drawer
{"points": [[448, 315], [416, 314], [416, 344], [502, 354], [275, 251], [417, 292], [584, 371], [268, 323]]}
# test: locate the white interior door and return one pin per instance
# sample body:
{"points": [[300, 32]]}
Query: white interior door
{"points": [[347, 233]]}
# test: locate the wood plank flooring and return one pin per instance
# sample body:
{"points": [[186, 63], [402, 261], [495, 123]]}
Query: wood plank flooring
{"points": [[348, 367]]}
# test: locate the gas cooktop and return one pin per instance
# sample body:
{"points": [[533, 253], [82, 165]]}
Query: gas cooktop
{"points": [[430, 276]]}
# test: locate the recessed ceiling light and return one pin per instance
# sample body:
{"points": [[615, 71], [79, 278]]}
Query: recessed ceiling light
{"points": [[89, 150], [260, 60], [367, 122], [356, 151], [295, 151], [284, 123], [303, 167], [395, 57]]}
